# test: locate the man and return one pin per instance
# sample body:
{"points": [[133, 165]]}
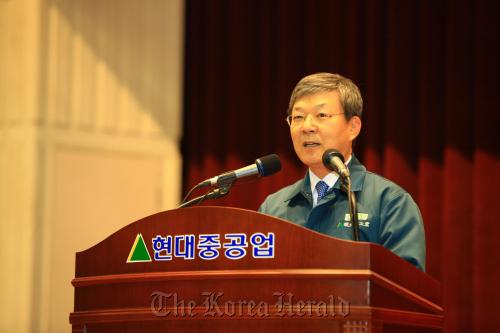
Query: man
{"points": [[325, 112]]}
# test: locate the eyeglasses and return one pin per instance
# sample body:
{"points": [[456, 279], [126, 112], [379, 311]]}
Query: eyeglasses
{"points": [[320, 117]]}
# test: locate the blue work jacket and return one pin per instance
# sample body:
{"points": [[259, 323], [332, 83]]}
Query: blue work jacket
{"points": [[387, 214]]}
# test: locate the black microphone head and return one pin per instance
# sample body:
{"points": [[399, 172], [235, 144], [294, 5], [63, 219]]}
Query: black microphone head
{"points": [[329, 154], [268, 165]]}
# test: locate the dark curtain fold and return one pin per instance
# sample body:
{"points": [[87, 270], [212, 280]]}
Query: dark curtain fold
{"points": [[427, 71]]}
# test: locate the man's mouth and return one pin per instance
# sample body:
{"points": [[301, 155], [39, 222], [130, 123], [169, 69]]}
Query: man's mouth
{"points": [[310, 144]]}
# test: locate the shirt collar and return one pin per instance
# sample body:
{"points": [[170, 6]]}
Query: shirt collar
{"points": [[330, 179], [356, 169]]}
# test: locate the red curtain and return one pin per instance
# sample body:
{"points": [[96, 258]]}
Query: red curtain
{"points": [[426, 70]]}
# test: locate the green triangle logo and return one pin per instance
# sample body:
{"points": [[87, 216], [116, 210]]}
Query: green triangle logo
{"points": [[139, 252]]}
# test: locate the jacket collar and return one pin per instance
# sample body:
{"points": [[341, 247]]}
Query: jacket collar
{"points": [[356, 169]]}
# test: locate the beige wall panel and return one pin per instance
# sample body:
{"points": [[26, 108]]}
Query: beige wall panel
{"points": [[17, 241], [19, 78], [90, 119], [19, 61], [94, 193], [115, 66]]}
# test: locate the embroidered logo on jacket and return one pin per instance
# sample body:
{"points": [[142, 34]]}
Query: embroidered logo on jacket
{"points": [[362, 220]]}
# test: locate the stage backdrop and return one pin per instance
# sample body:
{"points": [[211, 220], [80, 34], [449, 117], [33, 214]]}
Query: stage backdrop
{"points": [[427, 71]]}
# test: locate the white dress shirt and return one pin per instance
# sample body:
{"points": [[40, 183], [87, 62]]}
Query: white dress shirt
{"points": [[330, 179]]}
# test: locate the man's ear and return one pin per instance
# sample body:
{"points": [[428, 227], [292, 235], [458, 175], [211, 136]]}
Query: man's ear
{"points": [[354, 127]]}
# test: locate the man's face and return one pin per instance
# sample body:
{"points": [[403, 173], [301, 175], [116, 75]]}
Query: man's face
{"points": [[318, 124]]}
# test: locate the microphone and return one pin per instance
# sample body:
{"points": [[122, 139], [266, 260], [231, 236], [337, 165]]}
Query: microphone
{"points": [[263, 166], [333, 160]]}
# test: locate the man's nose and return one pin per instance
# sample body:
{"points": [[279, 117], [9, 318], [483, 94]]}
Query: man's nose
{"points": [[309, 124]]}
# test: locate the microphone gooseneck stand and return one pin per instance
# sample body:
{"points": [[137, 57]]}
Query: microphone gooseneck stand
{"points": [[220, 191], [263, 166], [346, 187]]}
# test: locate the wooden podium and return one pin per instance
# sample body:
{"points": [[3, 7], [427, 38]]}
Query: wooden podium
{"points": [[214, 269]]}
